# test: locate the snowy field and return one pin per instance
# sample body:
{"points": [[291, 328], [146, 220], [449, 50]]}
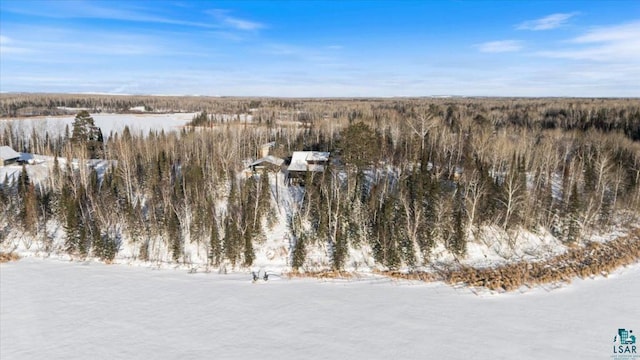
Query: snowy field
{"points": [[71, 310]]}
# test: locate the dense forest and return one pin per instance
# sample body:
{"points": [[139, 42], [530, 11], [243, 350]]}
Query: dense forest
{"points": [[404, 176]]}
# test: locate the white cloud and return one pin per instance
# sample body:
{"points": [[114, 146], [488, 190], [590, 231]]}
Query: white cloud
{"points": [[500, 46], [235, 22], [7, 47], [547, 23], [90, 10], [241, 24], [623, 32], [66, 46], [604, 44]]}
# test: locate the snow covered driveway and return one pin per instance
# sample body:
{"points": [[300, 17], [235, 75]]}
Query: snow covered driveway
{"points": [[59, 310]]}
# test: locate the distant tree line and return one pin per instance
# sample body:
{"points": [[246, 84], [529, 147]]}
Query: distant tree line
{"points": [[607, 115]]}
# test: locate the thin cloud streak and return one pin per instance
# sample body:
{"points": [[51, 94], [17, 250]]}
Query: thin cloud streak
{"points": [[68, 45], [242, 24], [235, 22], [550, 22], [85, 10], [7, 48], [89, 47], [626, 31], [604, 44], [499, 46]]}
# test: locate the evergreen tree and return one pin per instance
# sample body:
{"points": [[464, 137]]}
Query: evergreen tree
{"points": [[458, 241], [174, 233], [29, 211], [606, 210], [339, 248], [359, 145], [385, 246], [4, 191], [590, 177], [83, 241], [264, 197], [431, 205], [28, 203], [572, 218], [233, 241], [86, 134], [299, 252], [73, 224], [249, 253], [23, 182], [98, 245], [215, 246], [400, 235], [230, 241]]}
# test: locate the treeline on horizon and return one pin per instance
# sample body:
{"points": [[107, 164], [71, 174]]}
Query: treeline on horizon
{"points": [[407, 175], [565, 113]]}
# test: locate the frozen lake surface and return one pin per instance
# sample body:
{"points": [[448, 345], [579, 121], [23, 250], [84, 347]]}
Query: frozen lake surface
{"points": [[70, 310], [137, 123]]}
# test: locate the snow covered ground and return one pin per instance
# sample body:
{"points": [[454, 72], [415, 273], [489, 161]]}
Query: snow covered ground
{"points": [[85, 310], [41, 166]]}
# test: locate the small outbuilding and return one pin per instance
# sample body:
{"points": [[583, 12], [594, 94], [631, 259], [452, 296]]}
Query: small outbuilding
{"points": [[269, 162], [265, 149]]}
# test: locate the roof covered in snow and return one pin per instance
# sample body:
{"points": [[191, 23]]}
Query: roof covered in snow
{"points": [[308, 161], [268, 159], [7, 153], [309, 156]]}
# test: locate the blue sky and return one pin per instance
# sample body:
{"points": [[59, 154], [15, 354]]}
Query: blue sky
{"points": [[322, 48]]}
